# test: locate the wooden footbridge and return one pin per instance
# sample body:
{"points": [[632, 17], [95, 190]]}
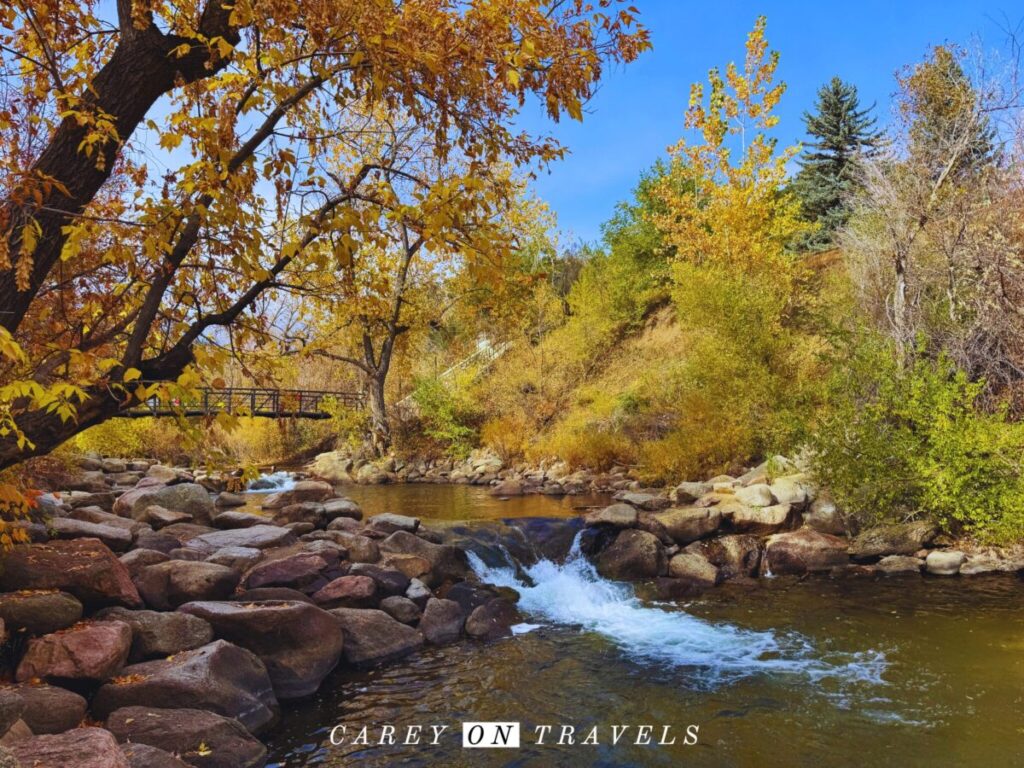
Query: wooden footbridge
{"points": [[248, 401]]}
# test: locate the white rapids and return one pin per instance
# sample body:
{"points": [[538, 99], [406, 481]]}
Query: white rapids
{"points": [[573, 594]]}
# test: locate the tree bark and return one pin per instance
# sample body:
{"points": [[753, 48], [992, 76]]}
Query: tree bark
{"points": [[380, 427], [140, 71]]}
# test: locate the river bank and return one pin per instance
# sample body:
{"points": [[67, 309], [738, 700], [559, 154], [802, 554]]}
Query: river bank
{"points": [[173, 583]]}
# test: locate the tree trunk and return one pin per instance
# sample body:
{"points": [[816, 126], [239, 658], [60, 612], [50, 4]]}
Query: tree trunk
{"points": [[380, 428]]}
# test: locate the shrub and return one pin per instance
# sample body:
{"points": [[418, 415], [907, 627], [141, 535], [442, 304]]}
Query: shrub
{"points": [[446, 416], [900, 443]]}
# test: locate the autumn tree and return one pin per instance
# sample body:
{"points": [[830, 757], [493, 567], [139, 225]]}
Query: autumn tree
{"points": [[164, 169]]}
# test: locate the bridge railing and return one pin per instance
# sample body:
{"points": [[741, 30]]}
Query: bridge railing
{"points": [[255, 401]]}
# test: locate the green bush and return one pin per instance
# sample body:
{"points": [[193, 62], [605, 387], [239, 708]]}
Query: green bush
{"points": [[446, 417], [915, 442]]}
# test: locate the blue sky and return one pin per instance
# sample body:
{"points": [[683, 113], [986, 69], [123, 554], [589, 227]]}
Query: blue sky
{"points": [[639, 109]]}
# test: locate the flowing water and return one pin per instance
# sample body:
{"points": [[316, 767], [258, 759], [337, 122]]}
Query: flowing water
{"points": [[788, 672]]}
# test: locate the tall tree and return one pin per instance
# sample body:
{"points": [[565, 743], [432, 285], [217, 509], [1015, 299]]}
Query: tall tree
{"points": [[111, 272], [843, 134]]}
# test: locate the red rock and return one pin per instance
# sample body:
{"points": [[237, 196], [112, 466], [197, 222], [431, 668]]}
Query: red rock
{"points": [[87, 651], [78, 748]]}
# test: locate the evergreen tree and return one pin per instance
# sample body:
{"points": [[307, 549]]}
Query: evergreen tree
{"points": [[842, 133]]}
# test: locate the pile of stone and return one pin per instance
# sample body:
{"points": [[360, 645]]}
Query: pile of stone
{"points": [[182, 624], [770, 521]]}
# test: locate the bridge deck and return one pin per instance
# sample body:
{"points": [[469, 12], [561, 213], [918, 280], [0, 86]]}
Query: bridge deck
{"points": [[252, 401]]}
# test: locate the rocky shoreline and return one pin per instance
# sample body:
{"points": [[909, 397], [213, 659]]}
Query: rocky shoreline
{"points": [[150, 623], [771, 520]]}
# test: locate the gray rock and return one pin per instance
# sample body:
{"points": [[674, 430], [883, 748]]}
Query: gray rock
{"points": [[257, 537], [165, 586], [687, 493], [650, 502], [976, 565], [694, 569], [823, 515], [447, 562], [633, 555], [160, 517], [897, 565], [304, 490], [145, 756], [732, 555], [228, 499], [804, 550], [235, 520], [759, 495], [616, 516], [116, 539], [401, 609], [689, 524], [944, 562], [389, 522], [373, 637], [761, 521], [346, 508], [50, 709], [442, 621], [39, 612], [492, 620], [158, 634], [190, 498], [901, 539]]}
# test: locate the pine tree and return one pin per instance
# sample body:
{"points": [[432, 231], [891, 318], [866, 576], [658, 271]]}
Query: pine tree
{"points": [[842, 134]]}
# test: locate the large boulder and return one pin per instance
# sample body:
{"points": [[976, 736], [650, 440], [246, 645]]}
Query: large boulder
{"points": [[304, 490], [220, 677], [50, 709], [804, 550], [298, 643], [761, 521], [91, 650], [78, 748], [39, 612], [617, 516], [733, 555], [157, 634], [442, 621], [85, 568], [165, 586], [257, 537], [373, 637], [190, 498], [633, 555], [900, 539], [684, 525], [118, 539], [447, 562], [200, 737]]}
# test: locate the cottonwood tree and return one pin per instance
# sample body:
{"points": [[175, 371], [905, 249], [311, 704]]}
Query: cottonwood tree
{"points": [[935, 243], [162, 170]]}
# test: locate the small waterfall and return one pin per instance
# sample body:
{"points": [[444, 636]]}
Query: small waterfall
{"points": [[573, 594], [272, 483]]}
